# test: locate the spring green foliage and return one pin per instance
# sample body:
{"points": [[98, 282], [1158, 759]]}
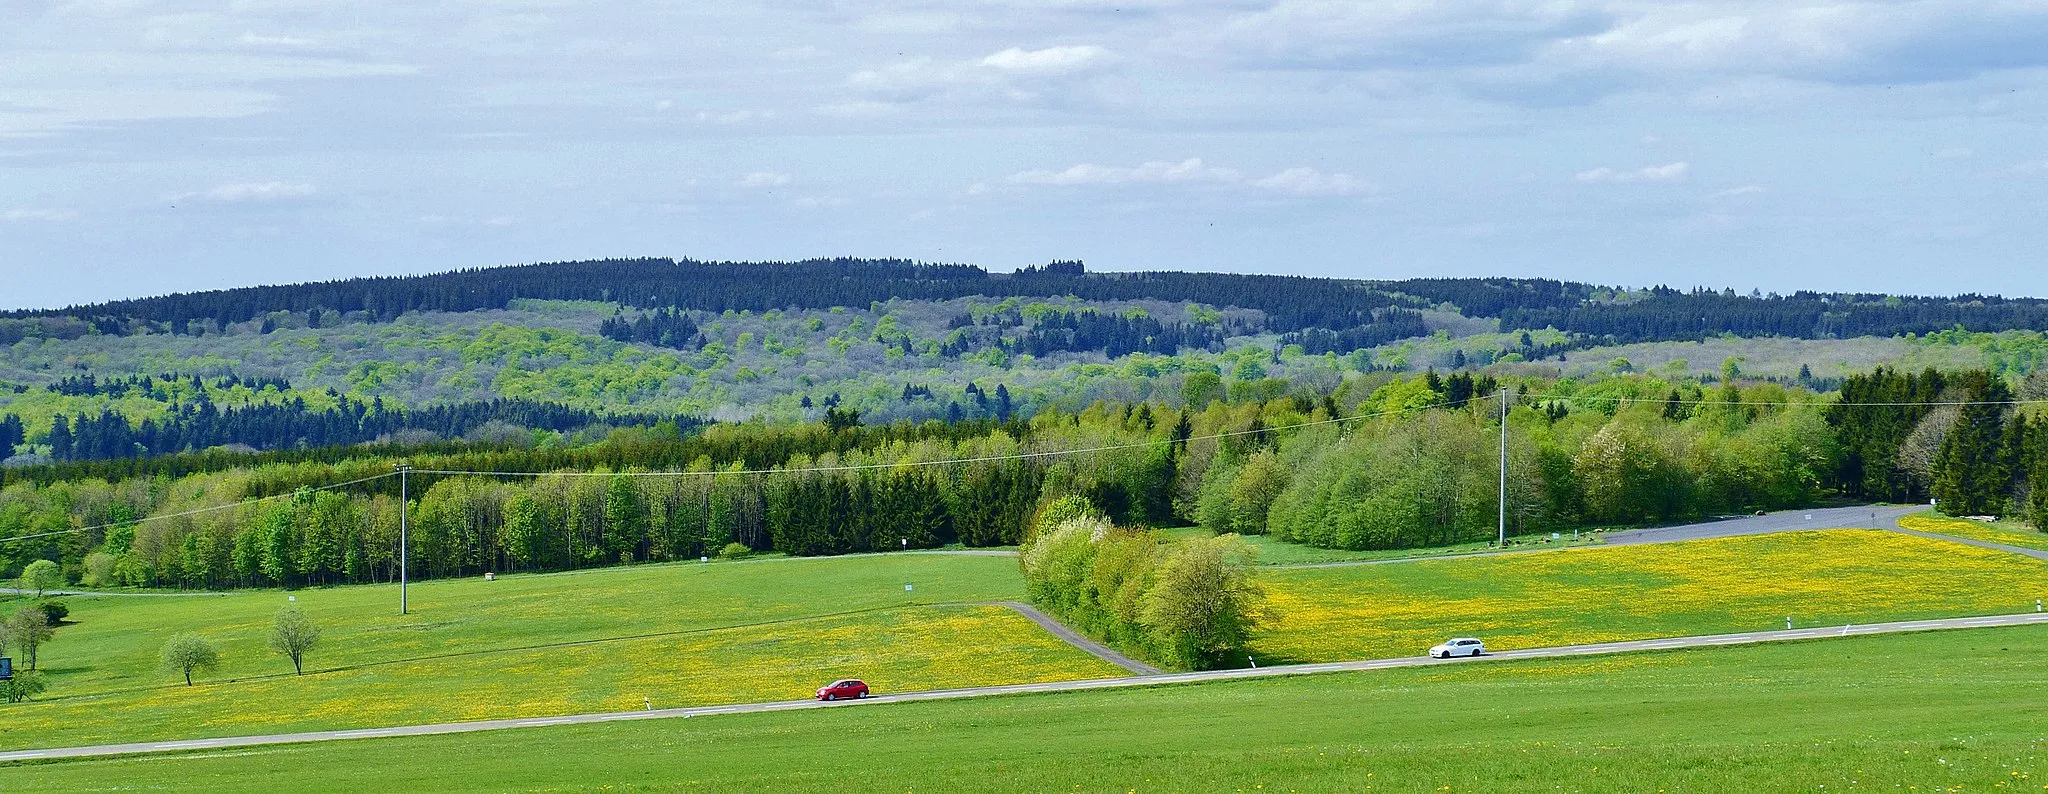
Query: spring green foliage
{"points": [[41, 576], [186, 653], [27, 630], [292, 634], [1934, 711], [25, 685], [1616, 450], [1184, 602]]}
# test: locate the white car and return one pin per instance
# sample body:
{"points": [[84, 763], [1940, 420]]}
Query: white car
{"points": [[1463, 646]]}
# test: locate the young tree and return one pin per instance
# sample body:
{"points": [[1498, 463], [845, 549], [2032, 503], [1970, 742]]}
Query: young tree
{"points": [[1203, 604], [27, 629], [293, 634], [24, 685], [41, 576], [188, 652]]}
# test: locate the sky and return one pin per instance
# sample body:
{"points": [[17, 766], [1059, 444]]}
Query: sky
{"points": [[153, 146]]}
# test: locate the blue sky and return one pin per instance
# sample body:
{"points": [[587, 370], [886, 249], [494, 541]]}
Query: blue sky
{"points": [[150, 146]]}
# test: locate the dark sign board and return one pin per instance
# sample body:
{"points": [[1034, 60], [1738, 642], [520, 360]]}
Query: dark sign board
{"points": [[6, 668]]}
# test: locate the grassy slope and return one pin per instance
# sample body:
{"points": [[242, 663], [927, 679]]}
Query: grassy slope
{"points": [[478, 650], [472, 649], [1273, 551], [2010, 533], [1952, 710], [1605, 593]]}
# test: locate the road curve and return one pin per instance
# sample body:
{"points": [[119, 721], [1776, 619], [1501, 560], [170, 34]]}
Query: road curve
{"points": [[2027, 619], [1869, 517], [1866, 517], [1075, 639]]}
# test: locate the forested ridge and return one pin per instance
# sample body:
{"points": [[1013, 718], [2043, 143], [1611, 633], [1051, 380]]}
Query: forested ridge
{"points": [[1292, 303], [1412, 464]]}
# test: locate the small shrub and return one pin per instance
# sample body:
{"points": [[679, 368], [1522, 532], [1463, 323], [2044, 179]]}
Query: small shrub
{"points": [[734, 551], [55, 611], [1059, 511], [25, 684]]}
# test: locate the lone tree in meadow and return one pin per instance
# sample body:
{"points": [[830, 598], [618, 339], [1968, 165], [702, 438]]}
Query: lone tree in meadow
{"points": [[40, 576], [27, 629], [188, 652], [293, 634]]}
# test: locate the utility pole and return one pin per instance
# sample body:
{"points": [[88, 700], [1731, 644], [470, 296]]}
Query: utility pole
{"points": [[404, 474], [1503, 542]]}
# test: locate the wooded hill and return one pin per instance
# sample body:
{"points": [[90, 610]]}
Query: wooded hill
{"points": [[1290, 303]]}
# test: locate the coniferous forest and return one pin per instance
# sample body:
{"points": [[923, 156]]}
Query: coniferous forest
{"points": [[596, 413]]}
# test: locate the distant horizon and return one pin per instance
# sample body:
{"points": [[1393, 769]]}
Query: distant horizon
{"points": [[153, 147], [1091, 266]]}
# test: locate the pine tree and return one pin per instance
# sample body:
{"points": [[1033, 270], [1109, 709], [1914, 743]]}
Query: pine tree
{"points": [[1973, 476]]}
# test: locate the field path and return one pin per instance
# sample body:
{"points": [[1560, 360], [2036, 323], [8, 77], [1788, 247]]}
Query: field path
{"points": [[1988, 621], [1077, 640]]}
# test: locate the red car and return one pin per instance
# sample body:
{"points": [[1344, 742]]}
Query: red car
{"points": [[842, 689]]}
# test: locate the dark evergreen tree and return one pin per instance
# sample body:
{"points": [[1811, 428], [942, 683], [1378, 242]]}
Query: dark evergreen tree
{"points": [[1973, 476]]}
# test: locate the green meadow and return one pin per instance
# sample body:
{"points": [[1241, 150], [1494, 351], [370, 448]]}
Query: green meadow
{"points": [[543, 644], [1938, 711]]}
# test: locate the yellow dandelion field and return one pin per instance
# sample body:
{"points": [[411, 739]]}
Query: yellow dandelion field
{"points": [[1602, 594], [1963, 528], [908, 649]]}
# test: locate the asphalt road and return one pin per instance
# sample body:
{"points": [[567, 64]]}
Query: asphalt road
{"points": [[2032, 618], [1868, 517], [1078, 640]]}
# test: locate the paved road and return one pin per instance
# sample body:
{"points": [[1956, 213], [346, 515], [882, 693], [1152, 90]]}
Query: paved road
{"points": [[2032, 618], [1077, 640], [2034, 553], [1830, 518], [1870, 517]]}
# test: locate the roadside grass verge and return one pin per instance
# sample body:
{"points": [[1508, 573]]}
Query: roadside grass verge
{"points": [[541, 645], [1938, 711], [1280, 553], [1610, 593], [2010, 533]]}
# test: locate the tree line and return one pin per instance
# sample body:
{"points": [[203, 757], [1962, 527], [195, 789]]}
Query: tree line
{"points": [[1413, 466], [199, 424]]}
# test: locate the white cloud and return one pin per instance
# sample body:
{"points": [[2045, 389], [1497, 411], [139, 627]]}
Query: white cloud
{"points": [[1155, 172], [1310, 182], [1014, 75], [1735, 192], [1048, 61], [1669, 172], [1299, 181], [733, 116], [276, 42], [251, 193], [764, 179]]}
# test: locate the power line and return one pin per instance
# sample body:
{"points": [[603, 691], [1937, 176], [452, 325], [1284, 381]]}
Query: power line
{"points": [[133, 521], [948, 461], [1815, 403], [1027, 455]]}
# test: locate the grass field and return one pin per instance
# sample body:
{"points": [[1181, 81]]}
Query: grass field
{"points": [[2010, 533], [1943, 711], [542, 645], [1281, 553], [753, 631], [1606, 593]]}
